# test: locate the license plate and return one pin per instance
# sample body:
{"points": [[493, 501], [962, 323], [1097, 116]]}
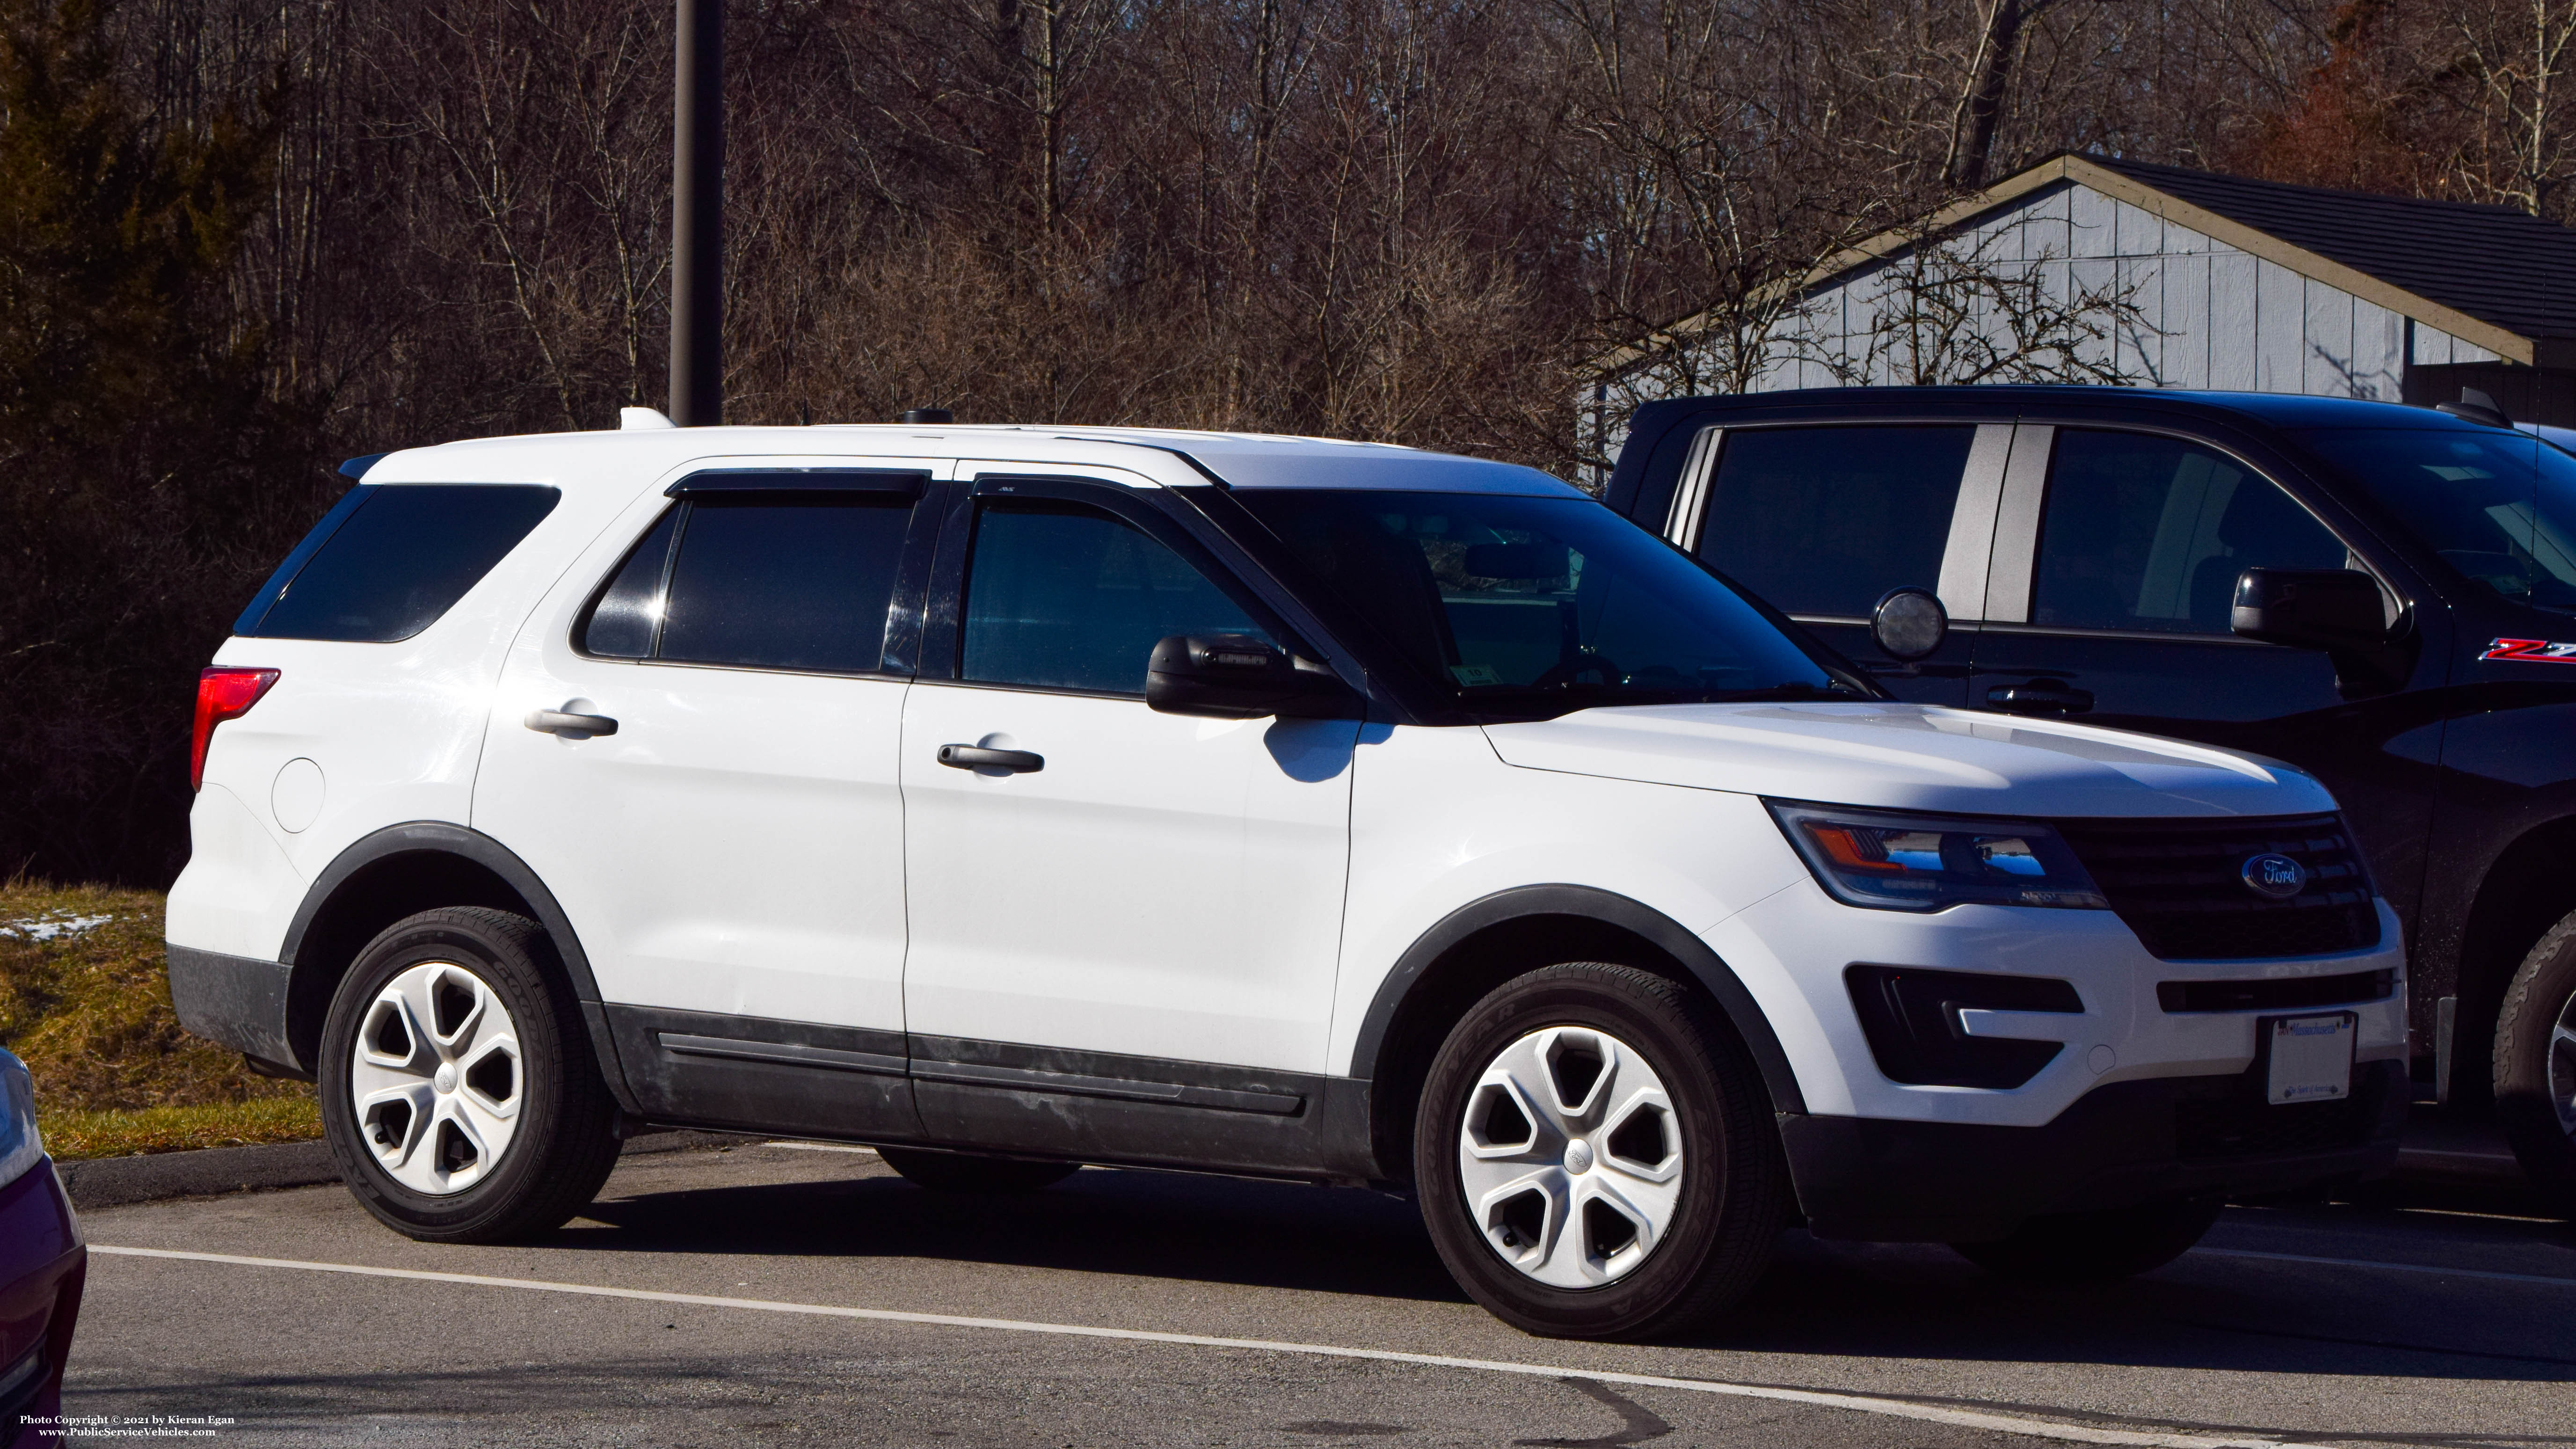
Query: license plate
{"points": [[2311, 1056]]}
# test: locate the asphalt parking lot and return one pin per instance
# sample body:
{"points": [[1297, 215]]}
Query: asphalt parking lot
{"points": [[772, 1293]]}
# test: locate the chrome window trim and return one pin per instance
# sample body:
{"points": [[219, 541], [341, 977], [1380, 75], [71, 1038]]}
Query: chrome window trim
{"points": [[1969, 555], [1688, 515]]}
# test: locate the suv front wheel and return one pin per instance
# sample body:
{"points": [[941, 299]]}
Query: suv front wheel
{"points": [[458, 1092], [1595, 1155]]}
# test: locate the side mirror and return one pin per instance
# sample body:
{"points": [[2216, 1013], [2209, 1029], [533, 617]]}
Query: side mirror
{"points": [[1235, 676], [1908, 623], [2331, 609]]}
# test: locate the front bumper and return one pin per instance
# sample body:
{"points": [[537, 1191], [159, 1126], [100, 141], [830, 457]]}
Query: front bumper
{"points": [[42, 1265], [1792, 950], [2123, 1143]]}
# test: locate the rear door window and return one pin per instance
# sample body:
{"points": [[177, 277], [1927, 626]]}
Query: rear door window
{"points": [[2141, 531], [797, 582], [387, 561], [1823, 522]]}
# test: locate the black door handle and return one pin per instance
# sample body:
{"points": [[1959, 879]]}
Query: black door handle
{"points": [[977, 757], [2040, 696]]}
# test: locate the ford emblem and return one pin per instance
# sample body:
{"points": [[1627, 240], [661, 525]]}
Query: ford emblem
{"points": [[2275, 876]]}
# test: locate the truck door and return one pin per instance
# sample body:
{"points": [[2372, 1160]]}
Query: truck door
{"points": [[1822, 521], [2114, 571]]}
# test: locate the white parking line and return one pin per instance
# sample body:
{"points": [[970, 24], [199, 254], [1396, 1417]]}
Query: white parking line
{"points": [[1858, 1403], [2389, 1267]]}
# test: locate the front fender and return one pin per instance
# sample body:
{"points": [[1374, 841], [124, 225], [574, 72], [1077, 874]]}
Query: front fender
{"points": [[1591, 904], [1448, 840]]}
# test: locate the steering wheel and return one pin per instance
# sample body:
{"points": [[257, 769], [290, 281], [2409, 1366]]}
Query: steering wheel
{"points": [[1566, 673]]}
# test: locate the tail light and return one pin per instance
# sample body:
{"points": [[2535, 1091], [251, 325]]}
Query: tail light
{"points": [[222, 694]]}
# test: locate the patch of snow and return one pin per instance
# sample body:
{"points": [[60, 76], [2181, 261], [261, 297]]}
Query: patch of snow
{"points": [[52, 925]]}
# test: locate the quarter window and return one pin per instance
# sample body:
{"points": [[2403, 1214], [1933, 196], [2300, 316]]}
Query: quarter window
{"points": [[1824, 521], [1065, 596], [388, 560], [2148, 532]]}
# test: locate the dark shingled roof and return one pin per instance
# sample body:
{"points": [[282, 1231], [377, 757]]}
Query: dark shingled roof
{"points": [[2496, 264]]}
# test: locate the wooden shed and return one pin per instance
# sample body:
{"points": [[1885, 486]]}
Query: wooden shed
{"points": [[2226, 283]]}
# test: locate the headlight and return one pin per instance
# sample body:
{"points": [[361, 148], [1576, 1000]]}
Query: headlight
{"points": [[1926, 862], [20, 1147]]}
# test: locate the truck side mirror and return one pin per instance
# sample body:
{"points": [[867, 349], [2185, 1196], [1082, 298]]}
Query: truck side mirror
{"points": [[1236, 676], [2330, 609], [1908, 623]]}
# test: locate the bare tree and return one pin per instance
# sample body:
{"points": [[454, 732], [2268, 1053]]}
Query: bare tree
{"points": [[2516, 54], [1948, 309]]}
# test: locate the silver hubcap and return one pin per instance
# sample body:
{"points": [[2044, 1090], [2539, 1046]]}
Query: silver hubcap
{"points": [[436, 1079], [1571, 1157], [2562, 1066]]}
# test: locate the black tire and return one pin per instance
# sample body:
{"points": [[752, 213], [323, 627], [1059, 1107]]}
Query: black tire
{"points": [[2535, 1067], [1726, 1220], [967, 1172], [2096, 1247], [565, 1139]]}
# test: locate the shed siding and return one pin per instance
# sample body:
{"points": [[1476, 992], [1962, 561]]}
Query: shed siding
{"points": [[2211, 316], [2186, 320], [2231, 322]]}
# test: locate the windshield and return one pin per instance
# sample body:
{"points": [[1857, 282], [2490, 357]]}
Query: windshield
{"points": [[2500, 507], [1536, 606]]}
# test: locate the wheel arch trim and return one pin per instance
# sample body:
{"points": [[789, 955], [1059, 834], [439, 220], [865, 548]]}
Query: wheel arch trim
{"points": [[1606, 908], [444, 838]]}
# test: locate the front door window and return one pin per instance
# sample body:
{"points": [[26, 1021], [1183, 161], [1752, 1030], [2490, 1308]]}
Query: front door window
{"points": [[2148, 532], [1063, 596]]}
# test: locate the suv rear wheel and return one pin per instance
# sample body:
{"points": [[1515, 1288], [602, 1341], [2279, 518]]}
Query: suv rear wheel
{"points": [[458, 1091], [1595, 1155], [2535, 1066]]}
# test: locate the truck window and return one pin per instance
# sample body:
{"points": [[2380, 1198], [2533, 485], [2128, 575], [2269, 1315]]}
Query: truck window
{"points": [[1824, 521], [2498, 507], [2147, 532]]}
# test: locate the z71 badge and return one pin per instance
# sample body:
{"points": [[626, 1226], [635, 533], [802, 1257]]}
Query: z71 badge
{"points": [[2538, 651]]}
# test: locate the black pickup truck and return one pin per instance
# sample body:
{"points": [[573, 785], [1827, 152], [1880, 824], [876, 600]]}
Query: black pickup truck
{"points": [[2384, 596]]}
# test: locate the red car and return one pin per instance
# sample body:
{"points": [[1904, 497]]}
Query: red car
{"points": [[42, 1263]]}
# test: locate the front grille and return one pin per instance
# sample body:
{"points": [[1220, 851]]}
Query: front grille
{"points": [[2288, 993], [2179, 885], [2243, 1124]]}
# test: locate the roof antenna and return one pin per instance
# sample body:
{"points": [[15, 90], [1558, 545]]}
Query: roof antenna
{"points": [[928, 415], [2476, 407]]}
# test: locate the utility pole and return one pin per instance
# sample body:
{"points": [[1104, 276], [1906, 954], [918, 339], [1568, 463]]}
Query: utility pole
{"points": [[697, 218]]}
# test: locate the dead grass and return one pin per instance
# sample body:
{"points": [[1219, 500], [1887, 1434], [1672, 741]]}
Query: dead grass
{"points": [[89, 1012], [72, 1135]]}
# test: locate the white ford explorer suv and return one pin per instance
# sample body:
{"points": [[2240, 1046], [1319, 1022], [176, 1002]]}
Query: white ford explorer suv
{"points": [[1016, 799]]}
